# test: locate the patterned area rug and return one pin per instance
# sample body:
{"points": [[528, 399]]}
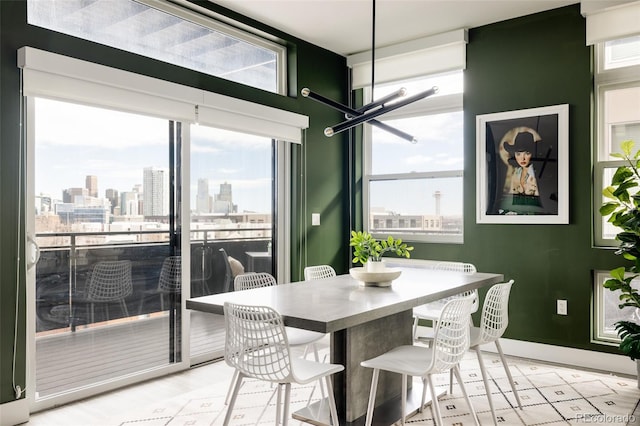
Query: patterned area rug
{"points": [[550, 395]]}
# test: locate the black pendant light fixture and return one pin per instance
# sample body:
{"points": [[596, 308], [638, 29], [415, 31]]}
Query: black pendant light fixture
{"points": [[369, 112]]}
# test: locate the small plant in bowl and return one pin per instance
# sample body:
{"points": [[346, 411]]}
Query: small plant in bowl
{"points": [[367, 250]]}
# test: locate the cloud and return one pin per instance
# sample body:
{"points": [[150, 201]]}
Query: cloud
{"points": [[418, 160], [68, 124]]}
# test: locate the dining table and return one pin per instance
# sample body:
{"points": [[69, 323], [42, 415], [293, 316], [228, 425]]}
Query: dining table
{"points": [[364, 321]]}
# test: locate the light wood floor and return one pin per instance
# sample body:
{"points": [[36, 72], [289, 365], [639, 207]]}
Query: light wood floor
{"points": [[91, 411]]}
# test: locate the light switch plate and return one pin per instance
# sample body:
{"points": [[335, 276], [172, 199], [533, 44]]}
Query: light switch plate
{"points": [[315, 219], [561, 307]]}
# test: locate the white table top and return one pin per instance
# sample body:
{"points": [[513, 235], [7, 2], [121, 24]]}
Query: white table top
{"points": [[332, 304]]}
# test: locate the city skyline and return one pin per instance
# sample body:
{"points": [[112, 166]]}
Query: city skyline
{"points": [[75, 141]]}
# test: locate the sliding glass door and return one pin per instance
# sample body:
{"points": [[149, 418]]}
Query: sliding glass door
{"points": [[231, 226], [103, 187]]}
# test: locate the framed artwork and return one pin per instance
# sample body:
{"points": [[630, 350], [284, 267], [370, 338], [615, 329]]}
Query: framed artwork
{"points": [[523, 166]]}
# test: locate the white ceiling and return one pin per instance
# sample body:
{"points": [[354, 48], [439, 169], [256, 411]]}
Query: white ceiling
{"points": [[344, 26]]}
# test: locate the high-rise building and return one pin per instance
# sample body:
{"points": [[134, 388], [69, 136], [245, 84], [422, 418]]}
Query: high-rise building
{"points": [[203, 199], [129, 204], [91, 183], [69, 195], [223, 202], [155, 187], [112, 195]]}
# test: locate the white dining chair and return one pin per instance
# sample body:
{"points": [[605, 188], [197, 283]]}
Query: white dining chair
{"points": [[256, 345], [296, 337], [451, 342], [431, 311], [317, 272], [495, 319]]}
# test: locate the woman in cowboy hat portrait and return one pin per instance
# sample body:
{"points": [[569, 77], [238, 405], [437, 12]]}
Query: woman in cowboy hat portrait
{"points": [[518, 151]]}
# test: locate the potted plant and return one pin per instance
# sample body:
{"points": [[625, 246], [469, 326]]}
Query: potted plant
{"points": [[623, 208], [369, 251]]}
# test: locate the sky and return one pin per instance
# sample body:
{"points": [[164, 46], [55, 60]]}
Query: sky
{"points": [[74, 141]]}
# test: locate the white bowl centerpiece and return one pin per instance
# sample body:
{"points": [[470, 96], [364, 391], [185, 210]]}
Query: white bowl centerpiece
{"points": [[369, 251]]}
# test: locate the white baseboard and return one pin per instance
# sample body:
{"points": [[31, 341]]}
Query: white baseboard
{"points": [[580, 358], [612, 363], [14, 412]]}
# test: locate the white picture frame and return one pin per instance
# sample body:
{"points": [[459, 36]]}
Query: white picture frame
{"points": [[531, 187]]}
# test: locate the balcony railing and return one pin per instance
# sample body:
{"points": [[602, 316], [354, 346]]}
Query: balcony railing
{"points": [[67, 259]]}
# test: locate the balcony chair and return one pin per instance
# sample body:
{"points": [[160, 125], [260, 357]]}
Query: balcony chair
{"points": [[109, 282], [201, 270], [170, 279], [228, 274], [297, 337], [495, 319], [451, 342], [256, 345], [318, 272], [431, 311]]}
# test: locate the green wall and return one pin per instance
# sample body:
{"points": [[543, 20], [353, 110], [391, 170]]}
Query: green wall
{"points": [[534, 61], [528, 62], [323, 71]]}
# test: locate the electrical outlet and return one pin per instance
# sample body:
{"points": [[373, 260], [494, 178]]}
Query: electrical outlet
{"points": [[561, 307]]}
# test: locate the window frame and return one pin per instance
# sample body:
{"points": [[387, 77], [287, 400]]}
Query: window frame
{"points": [[202, 17], [606, 80], [435, 105]]}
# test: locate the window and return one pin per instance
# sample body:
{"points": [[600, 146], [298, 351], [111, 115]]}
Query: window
{"points": [[418, 184], [167, 33], [606, 311], [618, 117], [617, 88]]}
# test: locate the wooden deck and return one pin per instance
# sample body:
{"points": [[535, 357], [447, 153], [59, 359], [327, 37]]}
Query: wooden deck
{"points": [[67, 360]]}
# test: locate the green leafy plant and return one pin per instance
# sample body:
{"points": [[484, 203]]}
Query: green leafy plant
{"points": [[623, 208], [367, 248]]}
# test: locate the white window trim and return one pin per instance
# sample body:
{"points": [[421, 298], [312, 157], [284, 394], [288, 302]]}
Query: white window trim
{"points": [[233, 29], [606, 80], [598, 334]]}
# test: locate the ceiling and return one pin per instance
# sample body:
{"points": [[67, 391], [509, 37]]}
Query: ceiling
{"points": [[344, 26]]}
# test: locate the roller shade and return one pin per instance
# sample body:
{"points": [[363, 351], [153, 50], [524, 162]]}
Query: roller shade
{"points": [[60, 77], [606, 22], [428, 55]]}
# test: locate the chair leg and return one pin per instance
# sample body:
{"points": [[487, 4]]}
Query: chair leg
{"points": [[332, 402], [279, 404], [287, 400], [415, 328], [372, 396], [317, 358], [236, 388], [424, 395], [506, 369], [123, 305], [485, 379], [451, 382], [456, 371], [231, 386], [404, 398], [435, 406]]}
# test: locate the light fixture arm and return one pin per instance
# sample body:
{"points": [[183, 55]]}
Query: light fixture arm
{"points": [[350, 112], [330, 131]]}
